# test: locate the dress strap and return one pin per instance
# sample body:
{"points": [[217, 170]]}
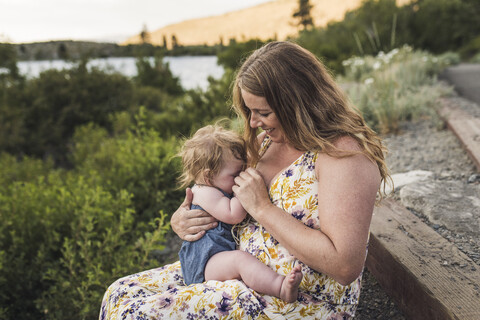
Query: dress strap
{"points": [[265, 144]]}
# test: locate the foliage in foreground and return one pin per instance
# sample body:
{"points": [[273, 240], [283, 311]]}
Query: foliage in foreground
{"points": [[67, 234]]}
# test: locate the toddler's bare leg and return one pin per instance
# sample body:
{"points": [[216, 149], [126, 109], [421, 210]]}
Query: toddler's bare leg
{"points": [[238, 264]]}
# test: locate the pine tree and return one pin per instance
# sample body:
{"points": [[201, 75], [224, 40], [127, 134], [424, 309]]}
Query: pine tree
{"points": [[303, 13], [174, 41], [145, 35]]}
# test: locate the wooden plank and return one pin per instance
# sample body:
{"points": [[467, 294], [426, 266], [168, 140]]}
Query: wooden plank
{"points": [[426, 274], [468, 132], [466, 128]]}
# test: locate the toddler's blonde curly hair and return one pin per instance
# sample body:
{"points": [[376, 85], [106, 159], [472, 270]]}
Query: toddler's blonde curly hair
{"points": [[204, 153]]}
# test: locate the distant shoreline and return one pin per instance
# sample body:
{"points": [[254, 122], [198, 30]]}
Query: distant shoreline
{"points": [[75, 50]]}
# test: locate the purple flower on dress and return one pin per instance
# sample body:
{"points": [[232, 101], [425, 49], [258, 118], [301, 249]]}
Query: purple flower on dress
{"points": [[224, 306], [289, 173], [178, 277], [165, 302], [298, 214], [140, 293], [310, 223]]}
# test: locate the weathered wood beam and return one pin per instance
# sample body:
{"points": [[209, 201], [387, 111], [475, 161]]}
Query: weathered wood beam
{"points": [[428, 276]]}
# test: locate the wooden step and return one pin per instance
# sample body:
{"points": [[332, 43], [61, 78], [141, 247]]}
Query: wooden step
{"points": [[428, 276], [466, 128]]}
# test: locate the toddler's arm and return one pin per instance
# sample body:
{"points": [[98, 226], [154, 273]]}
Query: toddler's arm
{"points": [[221, 207]]}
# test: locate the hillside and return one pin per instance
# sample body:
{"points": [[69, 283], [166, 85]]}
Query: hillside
{"points": [[268, 20]]}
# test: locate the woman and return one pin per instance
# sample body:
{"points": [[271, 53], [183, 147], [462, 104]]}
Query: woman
{"points": [[311, 188]]}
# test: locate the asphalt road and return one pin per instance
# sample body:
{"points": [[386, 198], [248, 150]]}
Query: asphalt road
{"points": [[465, 77]]}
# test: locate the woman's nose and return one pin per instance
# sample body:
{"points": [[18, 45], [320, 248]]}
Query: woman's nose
{"points": [[254, 122]]}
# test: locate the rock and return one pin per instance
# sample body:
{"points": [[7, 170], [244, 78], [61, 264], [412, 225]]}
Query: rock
{"points": [[452, 204], [402, 179], [474, 178]]}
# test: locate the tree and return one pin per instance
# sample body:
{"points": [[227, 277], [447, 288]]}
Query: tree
{"points": [[145, 35], [174, 41], [8, 58], [303, 13], [164, 42], [62, 51]]}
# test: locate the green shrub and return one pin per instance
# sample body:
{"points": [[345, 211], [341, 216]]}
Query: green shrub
{"points": [[469, 50], [157, 75], [394, 87], [42, 112], [22, 171], [476, 58], [232, 56], [66, 235], [64, 239], [138, 161], [195, 109]]}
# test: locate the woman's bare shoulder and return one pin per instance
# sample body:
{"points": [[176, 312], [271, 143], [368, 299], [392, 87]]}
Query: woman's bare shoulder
{"points": [[351, 157], [347, 143]]}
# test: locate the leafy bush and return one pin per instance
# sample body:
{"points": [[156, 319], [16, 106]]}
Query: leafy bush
{"points": [[443, 25], [379, 25], [44, 111], [233, 55], [476, 58], [394, 87], [138, 161], [157, 75], [66, 235], [27, 170], [195, 109]]}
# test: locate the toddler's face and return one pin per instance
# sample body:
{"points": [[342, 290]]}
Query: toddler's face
{"points": [[231, 168]]}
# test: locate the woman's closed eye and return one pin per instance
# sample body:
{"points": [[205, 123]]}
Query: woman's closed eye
{"points": [[266, 114]]}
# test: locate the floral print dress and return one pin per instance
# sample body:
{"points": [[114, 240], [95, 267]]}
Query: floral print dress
{"points": [[161, 293]]}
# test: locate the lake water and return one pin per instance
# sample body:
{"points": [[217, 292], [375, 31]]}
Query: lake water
{"points": [[192, 71]]}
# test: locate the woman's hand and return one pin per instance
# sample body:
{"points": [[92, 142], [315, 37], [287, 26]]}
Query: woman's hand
{"points": [[250, 189], [190, 225]]}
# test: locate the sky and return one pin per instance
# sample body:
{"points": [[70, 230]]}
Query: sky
{"points": [[23, 21]]}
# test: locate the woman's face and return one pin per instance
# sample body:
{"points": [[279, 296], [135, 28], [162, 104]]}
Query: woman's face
{"points": [[262, 116]]}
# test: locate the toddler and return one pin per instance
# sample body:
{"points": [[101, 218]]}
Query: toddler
{"points": [[212, 159]]}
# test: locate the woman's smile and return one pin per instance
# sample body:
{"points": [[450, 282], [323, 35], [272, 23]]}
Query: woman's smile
{"points": [[262, 115]]}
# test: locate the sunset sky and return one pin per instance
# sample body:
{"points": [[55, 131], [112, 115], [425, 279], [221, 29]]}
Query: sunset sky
{"points": [[101, 20]]}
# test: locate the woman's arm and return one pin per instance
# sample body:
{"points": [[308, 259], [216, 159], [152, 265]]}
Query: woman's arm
{"points": [[190, 225], [219, 206], [347, 190]]}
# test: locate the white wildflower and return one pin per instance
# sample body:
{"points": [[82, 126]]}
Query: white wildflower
{"points": [[368, 81], [358, 62]]}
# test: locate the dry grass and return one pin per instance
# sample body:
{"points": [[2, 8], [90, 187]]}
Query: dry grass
{"points": [[265, 21]]}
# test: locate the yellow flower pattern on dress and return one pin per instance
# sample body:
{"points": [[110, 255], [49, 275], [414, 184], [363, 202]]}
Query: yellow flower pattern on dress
{"points": [[161, 293]]}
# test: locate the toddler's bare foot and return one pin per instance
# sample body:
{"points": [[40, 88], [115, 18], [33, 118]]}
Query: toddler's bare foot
{"points": [[291, 282]]}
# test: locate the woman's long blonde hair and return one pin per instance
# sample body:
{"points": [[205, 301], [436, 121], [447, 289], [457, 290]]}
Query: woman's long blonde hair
{"points": [[309, 105]]}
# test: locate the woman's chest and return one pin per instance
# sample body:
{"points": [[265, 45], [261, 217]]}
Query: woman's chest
{"points": [[275, 161]]}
